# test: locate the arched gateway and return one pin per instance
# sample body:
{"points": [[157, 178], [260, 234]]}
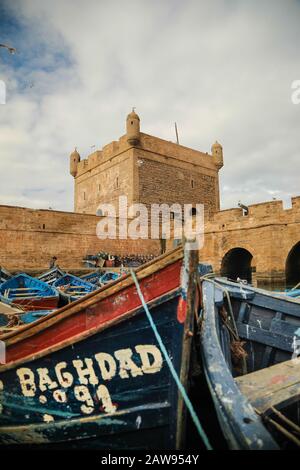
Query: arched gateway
{"points": [[292, 266], [237, 263]]}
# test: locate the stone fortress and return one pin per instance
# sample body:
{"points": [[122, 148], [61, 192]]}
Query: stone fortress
{"points": [[262, 245], [147, 170]]}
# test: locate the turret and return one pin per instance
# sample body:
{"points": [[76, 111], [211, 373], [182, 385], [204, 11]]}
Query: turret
{"points": [[133, 128], [74, 160], [217, 153]]}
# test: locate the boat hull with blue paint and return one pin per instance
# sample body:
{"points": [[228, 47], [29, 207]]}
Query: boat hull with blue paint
{"points": [[92, 375], [247, 341], [52, 275], [109, 276], [72, 288], [92, 277], [28, 293]]}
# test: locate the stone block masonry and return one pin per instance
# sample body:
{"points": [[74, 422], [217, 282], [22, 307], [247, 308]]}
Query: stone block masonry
{"points": [[147, 170], [266, 242], [29, 238]]}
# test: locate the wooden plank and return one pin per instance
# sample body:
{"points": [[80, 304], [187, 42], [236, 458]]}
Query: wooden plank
{"points": [[241, 426], [89, 332], [27, 295], [271, 386], [24, 288], [266, 337]]}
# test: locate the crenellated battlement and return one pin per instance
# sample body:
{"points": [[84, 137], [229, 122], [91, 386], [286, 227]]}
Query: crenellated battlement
{"points": [[262, 213], [155, 145], [99, 157]]}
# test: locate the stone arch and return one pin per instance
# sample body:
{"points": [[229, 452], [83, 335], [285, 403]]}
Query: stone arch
{"points": [[237, 263], [292, 266]]}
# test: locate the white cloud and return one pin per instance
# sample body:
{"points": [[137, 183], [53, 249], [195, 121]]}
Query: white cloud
{"points": [[221, 69]]}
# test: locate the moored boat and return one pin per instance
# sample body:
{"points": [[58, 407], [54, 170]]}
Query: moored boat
{"points": [[92, 277], [109, 276], [30, 317], [72, 288], [28, 293], [248, 338], [92, 373], [100, 279], [51, 275]]}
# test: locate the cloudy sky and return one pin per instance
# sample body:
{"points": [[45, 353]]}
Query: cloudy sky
{"points": [[221, 69]]}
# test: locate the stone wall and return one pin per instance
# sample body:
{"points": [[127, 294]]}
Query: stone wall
{"points": [[268, 232], [152, 171], [29, 238], [159, 182]]}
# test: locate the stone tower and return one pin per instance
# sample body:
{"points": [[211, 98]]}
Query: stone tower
{"points": [[217, 153], [133, 128], [147, 170], [74, 160]]}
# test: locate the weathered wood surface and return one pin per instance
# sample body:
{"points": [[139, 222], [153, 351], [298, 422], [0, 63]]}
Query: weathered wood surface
{"points": [[8, 309], [267, 323], [95, 309], [29, 293], [105, 386], [271, 386], [241, 426], [109, 386]]}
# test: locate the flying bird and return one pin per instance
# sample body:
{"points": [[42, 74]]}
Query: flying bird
{"points": [[10, 49]]}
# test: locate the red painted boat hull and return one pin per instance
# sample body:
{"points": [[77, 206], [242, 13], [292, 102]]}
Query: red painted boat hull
{"points": [[45, 334]]}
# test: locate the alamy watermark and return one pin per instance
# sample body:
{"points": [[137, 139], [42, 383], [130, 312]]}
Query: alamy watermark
{"points": [[2, 92], [155, 221], [295, 96]]}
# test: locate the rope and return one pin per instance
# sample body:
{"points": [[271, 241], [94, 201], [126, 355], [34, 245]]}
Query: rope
{"points": [[171, 367], [231, 318]]}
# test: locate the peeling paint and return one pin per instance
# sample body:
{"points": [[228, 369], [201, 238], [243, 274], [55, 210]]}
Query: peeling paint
{"points": [[48, 418]]}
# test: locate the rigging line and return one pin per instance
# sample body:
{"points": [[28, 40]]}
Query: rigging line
{"points": [[171, 367]]}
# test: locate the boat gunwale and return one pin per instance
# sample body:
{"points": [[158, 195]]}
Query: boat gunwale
{"points": [[86, 334], [277, 295], [105, 291], [215, 365]]}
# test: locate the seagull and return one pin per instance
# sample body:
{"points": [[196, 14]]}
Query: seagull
{"points": [[10, 49]]}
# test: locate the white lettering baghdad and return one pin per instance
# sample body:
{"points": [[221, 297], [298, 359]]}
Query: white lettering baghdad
{"points": [[104, 367]]}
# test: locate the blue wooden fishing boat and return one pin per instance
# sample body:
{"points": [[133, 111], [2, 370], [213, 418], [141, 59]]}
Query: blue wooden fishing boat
{"points": [[72, 288], [93, 374], [28, 293], [16, 318], [99, 279], [51, 275], [109, 276], [93, 277], [249, 343], [30, 317]]}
